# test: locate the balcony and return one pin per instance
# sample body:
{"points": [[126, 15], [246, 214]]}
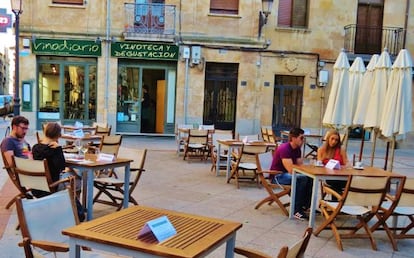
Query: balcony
{"points": [[368, 40], [146, 21]]}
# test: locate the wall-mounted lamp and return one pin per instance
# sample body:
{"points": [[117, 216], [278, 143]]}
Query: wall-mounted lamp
{"points": [[264, 14]]}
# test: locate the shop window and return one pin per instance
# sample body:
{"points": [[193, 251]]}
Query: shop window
{"points": [[74, 2], [224, 7], [293, 13]]}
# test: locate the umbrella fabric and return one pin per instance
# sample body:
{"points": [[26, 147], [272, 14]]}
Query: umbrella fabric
{"points": [[397, 119], [337, 113], [379, 88], [356, 73], [365, 92]]}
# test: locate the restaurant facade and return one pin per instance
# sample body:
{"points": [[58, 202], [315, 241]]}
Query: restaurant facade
{"points": [[146, 66]]}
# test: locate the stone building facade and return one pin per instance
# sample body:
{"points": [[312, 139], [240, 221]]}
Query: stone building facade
{"points": [[146, 66]]}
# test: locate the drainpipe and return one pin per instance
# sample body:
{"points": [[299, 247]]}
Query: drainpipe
{"points": [[186, 90], [407, 13], [107, 48]]}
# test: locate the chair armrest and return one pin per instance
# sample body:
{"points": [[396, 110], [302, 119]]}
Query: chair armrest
{"points": [[47, 246], [270, 172], [64, 180], [136, 169], [250, 253], [329, 190]]}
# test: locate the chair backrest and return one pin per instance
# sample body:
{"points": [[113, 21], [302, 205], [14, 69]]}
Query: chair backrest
{"points": [[222, 135], [365, 190], [271, 135], [407, 194], [207, 127], [264, 160], [12, 174], [265, 136], [33, 174], [197, 136], [104, 131], [298, 249], [140, 160], [110, 144], [45, 218], [38, 136]]}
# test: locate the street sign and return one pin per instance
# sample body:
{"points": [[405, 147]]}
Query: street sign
{"points": [[5, 20]]}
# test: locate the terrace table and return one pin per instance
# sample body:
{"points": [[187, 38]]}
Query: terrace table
{"points": [[117, 232], [87, 167], [322, 173]]}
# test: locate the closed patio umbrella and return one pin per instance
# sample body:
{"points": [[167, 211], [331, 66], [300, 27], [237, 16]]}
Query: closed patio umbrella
{"points": [[397, 120], [356, 74], [377, 97], [337, 113], [363, 97]]}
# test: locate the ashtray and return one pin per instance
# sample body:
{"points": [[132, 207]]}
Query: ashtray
{"points": [[358, 168]]}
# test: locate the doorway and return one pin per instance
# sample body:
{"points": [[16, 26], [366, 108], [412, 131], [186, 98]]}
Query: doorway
{"points": [[220, 94], [287, 103], [369, 27], [146, 96]]}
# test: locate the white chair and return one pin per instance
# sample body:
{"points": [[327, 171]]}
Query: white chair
{"points": [[42, 221], [181, 135], [222, 156]]}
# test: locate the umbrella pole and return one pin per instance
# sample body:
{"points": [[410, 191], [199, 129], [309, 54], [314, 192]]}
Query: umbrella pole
{"points": [[373, 147], [362, 144], [392, 152], [386, 155]]}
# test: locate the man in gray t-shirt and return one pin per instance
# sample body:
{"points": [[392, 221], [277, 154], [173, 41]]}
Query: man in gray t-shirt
{"points": [[15, 144]]}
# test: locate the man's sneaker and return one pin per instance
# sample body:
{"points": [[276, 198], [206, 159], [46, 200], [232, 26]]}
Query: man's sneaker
{"points": [[300, 215]]}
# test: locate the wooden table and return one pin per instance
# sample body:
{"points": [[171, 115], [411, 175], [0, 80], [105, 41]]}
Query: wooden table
{"points": [[322, 173], [234, 144], [196, 236], [87, 168]]}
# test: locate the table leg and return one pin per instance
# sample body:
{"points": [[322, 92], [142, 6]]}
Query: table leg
{"points": [[231, 242], [314, 201], [292, 195], [126, 185], [228, 163], [89, 179], [218, 159], [74, 249]]}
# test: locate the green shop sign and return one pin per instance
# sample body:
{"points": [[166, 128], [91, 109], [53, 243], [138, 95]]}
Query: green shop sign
{"points": [[66, 47], [144, 50]]}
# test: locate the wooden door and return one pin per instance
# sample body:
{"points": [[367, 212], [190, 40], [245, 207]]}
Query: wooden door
{"points": [[287, 103], [160, 107], [369, 27]]}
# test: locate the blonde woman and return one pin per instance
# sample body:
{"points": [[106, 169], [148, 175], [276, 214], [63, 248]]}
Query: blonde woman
{"points": [[332, 149]]}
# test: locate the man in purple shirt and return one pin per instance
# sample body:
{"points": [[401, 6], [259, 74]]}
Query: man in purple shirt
{"points": [[286, 155]]}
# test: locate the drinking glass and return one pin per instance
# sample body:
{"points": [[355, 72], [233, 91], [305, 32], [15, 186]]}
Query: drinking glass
{"points": [[84, 150]]}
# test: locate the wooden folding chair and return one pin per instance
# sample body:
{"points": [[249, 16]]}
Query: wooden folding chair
{"points": [[181, 135], [245, 161], [15, 180], [42, 221], [196, 145], [113, 187], [110, 144], [361, 198], [265, 136], [264, 161], [297, 250], [399, 204], [35, 175]]}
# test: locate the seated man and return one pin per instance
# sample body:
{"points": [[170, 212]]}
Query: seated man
{"points": [[15, 144], [286, 155]]}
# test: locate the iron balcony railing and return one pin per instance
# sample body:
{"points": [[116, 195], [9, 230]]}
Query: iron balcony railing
{"points": [[372, 40], [150, 19]]}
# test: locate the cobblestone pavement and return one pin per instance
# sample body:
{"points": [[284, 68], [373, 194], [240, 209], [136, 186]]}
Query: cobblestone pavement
{"points": [[172, 183]]}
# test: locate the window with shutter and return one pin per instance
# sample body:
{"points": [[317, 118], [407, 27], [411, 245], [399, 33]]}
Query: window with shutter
{"points": [[293, 13], [74, 2], [224, 7]]}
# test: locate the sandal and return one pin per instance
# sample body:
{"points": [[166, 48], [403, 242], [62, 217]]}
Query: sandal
{"points": [[300, 216]]}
